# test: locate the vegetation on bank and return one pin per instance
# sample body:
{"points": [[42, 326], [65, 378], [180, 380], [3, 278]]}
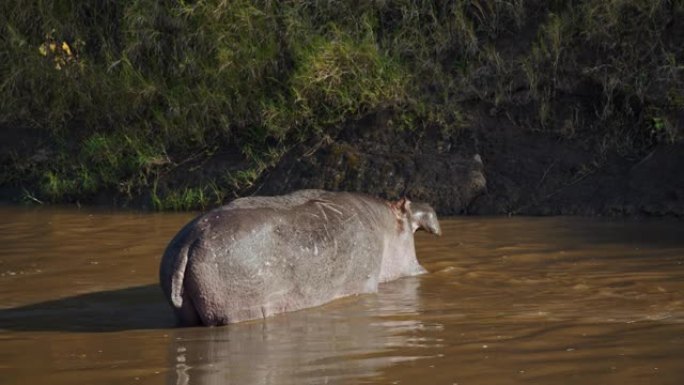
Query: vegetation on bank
{"points": [[142, 98]]}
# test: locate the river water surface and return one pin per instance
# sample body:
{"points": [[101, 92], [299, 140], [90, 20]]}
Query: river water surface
{"points": [[506, 301]]}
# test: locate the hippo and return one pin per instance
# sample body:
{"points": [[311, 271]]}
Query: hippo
{"points": [[260, 256]]}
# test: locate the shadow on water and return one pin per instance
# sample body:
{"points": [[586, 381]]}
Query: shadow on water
{"points": [[133, 308]]}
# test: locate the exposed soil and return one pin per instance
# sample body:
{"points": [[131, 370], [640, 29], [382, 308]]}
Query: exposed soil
{"points": [[489, 168], [492, 168], [428, 166]]}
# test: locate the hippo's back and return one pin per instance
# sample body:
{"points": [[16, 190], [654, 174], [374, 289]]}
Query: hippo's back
{"points": [[263, 255]]}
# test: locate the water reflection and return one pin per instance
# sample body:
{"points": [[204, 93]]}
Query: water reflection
{"points": [[351, 338]]}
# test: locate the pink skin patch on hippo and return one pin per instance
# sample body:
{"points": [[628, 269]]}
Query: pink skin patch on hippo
{"points": [[400, 208]]}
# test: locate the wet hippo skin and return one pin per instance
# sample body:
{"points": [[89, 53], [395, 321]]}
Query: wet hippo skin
{"points": [[260, 256]]}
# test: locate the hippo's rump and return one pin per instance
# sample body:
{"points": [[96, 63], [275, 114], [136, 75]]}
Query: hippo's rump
{"points": [[264, 255]]}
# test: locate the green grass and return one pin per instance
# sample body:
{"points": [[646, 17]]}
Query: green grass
{"points": [[187, 198], [127, 92]]}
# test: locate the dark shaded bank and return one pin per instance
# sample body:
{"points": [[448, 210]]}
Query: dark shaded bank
{"points": [[542, 175], [491, 168]]}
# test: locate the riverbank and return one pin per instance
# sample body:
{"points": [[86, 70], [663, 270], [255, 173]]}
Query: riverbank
{"points": [[483, 107], [492, 168]]}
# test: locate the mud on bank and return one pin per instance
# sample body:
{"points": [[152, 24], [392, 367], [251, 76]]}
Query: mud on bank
{"points": [[491, 168]]}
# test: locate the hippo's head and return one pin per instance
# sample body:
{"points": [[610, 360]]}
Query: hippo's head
{"points": [[419, 215]]}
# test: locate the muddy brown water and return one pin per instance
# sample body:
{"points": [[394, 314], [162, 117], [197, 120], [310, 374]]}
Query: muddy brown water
{"points": [[507, 300]]}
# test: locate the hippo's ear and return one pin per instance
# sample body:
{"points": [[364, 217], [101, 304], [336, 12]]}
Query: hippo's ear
{"points": [[424, 217], [401, 208]]}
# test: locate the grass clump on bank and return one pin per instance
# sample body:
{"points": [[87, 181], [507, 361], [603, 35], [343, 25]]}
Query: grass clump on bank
{"points": [[622, 56], [184, 104]]}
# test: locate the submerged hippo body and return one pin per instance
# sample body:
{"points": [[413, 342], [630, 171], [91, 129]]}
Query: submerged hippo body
{"points": [[260, 256]]}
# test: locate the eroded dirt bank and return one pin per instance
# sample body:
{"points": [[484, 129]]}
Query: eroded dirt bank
{"points": [[491, 168]]}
